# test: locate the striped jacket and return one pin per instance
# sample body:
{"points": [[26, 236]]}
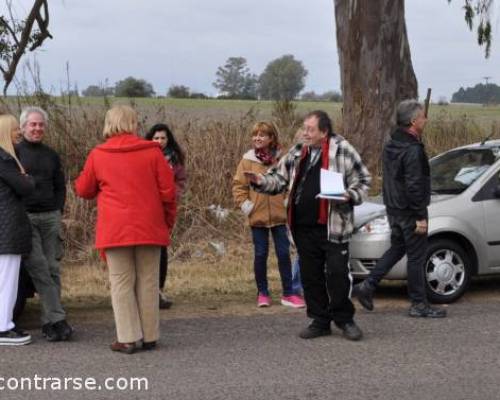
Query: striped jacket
{"points": [[342, 158]]}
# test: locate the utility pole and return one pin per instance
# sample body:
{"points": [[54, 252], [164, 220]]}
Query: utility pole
{"points": [[486, 79]]}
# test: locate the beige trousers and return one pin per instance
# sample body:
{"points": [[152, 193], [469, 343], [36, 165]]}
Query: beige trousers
{"points": [[133, 274]]}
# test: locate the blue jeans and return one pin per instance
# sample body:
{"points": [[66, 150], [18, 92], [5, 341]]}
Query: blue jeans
{"points": [[296, 282], [260, 238]]}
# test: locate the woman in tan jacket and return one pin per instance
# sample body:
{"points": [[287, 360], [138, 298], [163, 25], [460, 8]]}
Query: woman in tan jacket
{"points": [[265, 214]]}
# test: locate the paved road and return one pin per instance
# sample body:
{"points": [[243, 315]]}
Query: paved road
{"points": [[260, 357]]}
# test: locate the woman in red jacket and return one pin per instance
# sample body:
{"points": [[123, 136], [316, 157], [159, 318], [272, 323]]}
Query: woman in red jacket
{"points": [[135, 193]]}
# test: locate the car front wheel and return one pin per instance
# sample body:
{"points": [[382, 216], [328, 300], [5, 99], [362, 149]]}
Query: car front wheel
{"points": [[447, 271]]}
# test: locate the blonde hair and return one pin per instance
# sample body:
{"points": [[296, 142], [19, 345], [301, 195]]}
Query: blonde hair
{"points": [[267, 129], [8, 123], [120, 119]]}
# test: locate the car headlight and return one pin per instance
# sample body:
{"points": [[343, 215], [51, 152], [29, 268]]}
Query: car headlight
{"points": [[377, 225]]}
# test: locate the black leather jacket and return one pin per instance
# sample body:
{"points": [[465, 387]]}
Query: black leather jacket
{"points": [[15, 227], [406, 179]]}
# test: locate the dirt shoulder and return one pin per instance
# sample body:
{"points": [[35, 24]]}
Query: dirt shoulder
{"points": [[391, 295]]}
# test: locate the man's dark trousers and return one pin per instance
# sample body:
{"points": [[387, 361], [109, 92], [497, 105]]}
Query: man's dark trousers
{"points": [[325, 276], [404, 240]]}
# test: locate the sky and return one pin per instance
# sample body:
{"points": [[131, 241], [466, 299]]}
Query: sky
{"points": [[169, 42]]}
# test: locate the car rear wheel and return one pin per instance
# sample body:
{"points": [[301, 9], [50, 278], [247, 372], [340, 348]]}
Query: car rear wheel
{"points": [[447, 271]]}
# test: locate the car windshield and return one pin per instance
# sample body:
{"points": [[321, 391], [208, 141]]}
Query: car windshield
{"points": [[455, 171]]}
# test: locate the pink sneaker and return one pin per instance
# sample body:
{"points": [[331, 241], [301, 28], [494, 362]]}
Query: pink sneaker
{"points": [[263, 300], [293, 301]]}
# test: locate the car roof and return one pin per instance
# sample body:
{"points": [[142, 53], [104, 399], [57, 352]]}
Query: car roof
{"points": [[490, 144]]}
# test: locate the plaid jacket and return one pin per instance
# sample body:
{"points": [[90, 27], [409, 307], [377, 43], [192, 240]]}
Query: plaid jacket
{"points": [[342, 158]]}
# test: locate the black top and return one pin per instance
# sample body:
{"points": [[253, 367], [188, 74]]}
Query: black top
{"points": [[44, 165], [15, 227], [306, 207], [407, 184]]}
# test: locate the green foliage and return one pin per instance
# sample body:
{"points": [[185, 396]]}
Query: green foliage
{"points": [[19, 35], [8, 46], [235, 81], [282, 79], [98, 91], [479, 9], [132, 87], [198, 95], [178, 92], [70, 92], [481, 94], [330, 95]]}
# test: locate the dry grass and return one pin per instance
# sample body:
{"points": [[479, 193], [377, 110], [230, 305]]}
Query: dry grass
{"points": [[214, 135], [206, 278]]}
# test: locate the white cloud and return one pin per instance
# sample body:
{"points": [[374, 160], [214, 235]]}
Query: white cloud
{"points": [[184, 41]]}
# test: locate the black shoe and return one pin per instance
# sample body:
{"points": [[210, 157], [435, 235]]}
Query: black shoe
{"points": [[351, 331], [20, 331], [165, 303], [364, 293], [64, 330], [50, 333], [313, 331], [148, 345], [14, 337], [424, 310]]}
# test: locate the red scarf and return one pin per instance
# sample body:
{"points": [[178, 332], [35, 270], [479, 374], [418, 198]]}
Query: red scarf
{"points": [[323, 203], [413, 133], [266, 156]]}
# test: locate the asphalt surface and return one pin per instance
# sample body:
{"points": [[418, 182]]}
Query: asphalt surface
{"points": [[261, 357]]}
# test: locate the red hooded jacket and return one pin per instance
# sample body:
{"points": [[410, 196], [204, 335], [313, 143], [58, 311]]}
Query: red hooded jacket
{"points": [[135, 192]]}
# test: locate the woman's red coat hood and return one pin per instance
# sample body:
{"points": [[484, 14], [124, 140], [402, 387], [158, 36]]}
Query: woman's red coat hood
{"points": [[135, 191]]}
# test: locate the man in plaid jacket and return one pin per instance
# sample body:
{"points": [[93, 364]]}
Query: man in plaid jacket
{"points": [[321, 228]]}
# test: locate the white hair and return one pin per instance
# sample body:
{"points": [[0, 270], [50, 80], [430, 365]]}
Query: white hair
{"points": [[407, 111], [25, 113]]}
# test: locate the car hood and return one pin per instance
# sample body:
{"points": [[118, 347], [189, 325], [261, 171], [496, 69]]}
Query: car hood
{"points": [[375, 208], [436, 198], [367, 211]]}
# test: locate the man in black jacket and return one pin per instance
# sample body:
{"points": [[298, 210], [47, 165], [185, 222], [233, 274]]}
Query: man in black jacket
{"points": [[44, 208], [406, 191]]}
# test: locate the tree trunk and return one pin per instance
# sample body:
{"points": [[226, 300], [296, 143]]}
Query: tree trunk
{"points": [[375, 69]]}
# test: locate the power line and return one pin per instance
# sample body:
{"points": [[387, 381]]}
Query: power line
{"points": [[486, 79]]}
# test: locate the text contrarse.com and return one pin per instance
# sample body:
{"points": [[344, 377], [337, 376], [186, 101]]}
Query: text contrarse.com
{"points": [[50, 383]]}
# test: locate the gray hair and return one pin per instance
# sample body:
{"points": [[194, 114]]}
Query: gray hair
{"points": [[407, 111], [25, 113]]}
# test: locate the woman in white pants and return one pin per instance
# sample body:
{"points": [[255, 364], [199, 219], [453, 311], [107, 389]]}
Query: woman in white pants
{"points": [[15, 229]]}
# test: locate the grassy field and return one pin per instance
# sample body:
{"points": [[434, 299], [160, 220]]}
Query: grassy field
{"points": [[214, 133]]}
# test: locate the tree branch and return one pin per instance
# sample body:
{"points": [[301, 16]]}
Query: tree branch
{"points": [[28, 34]]}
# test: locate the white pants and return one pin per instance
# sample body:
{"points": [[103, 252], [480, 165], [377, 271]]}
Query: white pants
{"points": [[9, 282]]}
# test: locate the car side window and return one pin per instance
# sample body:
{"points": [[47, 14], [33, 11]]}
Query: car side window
{"points": [[490, 190], [455, 171]]}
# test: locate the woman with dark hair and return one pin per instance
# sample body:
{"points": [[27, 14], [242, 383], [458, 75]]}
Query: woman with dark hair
{"points": [[174, 154], [15, 229], [266, 214]]}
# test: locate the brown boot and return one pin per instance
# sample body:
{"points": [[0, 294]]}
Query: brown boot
{"points": [[127, 348]]}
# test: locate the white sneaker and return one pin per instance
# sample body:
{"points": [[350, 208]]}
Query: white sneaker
{"points": [[14, 338]]}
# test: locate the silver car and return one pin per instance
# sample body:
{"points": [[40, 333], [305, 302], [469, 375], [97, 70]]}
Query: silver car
{"points": [[464, 224]]}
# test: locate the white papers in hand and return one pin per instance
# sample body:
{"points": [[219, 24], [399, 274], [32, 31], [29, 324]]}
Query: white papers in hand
{"points": [[331, 185]]}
